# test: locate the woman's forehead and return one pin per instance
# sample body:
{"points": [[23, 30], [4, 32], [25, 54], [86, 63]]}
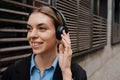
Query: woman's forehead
{"points": [[38, 17]]}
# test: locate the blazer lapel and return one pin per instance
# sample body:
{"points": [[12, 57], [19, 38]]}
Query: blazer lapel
{"points": [[23, 69], [57, 74]]}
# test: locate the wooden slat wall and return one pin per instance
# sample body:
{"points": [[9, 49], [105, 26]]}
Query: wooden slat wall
{"points": [[13, 33], [13, 42], [99, 33], [78, 17], [84, 24], [69, 9], [86, 31]]}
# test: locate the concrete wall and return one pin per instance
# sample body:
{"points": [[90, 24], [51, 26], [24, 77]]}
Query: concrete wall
{"points": [[94, 61]]}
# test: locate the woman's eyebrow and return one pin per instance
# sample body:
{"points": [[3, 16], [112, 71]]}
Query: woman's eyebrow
{"points": [[28, 25], [40, 24]]}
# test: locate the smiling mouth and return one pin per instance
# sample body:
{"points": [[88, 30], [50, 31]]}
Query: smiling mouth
{"points": [[36, 44]]}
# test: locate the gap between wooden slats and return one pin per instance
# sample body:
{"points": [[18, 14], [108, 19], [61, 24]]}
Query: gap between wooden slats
{"points": [[12, 39], [97, 39], [84, 17], [71, 2], [69, 14], [14, 12], [68, 8], [100, 32], [99, 26], [98, 42], [3, 69], [11, 58], [101, 44], [84, 28], [96, 36], [19, 4], [84, 22], [13, 21], [42, 2], [71, 21], [103, 29], [98, 23], [14, 48], [99, 17], [99, 35], [85, 3], [62, 7], [66, 4], [13, 30], [82, 7]]}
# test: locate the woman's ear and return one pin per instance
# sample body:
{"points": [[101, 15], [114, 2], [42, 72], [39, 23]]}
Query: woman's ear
{"points": [[58, 43], [60, 47]]}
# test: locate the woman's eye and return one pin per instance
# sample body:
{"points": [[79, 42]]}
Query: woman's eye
{"points": [[29, 29], [42, 28]]}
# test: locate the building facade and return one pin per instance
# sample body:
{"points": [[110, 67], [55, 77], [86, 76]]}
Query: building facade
{"points": [[94, 27]]}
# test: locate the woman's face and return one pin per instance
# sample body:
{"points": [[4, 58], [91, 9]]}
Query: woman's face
{"points": [[41, 33]]}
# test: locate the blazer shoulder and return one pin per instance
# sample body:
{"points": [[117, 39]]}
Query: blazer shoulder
{"points": [[15, 68], [78, 73], [75, 66]]}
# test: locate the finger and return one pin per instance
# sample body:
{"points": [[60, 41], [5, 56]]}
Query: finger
{"points": [[64, 32], [66, 35], [66, 46], [67, 40]]}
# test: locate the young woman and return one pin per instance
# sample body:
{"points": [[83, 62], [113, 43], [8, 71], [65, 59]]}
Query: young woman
{"points": [[48, 60]]}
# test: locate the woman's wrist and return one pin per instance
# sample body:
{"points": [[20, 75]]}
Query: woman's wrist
{"points": [[67, 74]]}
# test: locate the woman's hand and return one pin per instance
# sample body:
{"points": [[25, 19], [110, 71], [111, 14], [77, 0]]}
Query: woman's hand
{"points": [[65, 56]]}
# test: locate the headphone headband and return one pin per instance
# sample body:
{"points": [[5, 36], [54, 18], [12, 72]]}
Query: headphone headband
{"points": [[62, 27]]}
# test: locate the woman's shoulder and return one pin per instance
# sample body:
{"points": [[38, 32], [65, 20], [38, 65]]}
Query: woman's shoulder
{"points": [[76, 67], [78, 72], [16, 67]]}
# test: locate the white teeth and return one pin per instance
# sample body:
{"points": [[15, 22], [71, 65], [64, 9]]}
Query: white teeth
{"points": [[35, 44]]}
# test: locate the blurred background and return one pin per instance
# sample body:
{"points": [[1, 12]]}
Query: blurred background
{"points": [[94, 27]]}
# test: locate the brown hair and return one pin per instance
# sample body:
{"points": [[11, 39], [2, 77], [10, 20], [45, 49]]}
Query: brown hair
{"points": [[47, 10]]}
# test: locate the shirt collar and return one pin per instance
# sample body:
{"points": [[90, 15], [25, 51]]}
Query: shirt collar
{"points": [[54, 64], [32, 63]]}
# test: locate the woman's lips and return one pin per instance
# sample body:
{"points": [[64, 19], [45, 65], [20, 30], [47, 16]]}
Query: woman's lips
{"points": [[36, 45]]}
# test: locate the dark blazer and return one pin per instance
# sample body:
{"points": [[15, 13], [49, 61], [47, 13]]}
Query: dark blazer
{"points": [[20, 70]]}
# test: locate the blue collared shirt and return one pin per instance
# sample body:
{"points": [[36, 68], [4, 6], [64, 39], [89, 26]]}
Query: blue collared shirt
{"points": [[47, 73]]}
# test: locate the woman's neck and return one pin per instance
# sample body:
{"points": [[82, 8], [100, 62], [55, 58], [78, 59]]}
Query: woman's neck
{"points": [[45, 60]]}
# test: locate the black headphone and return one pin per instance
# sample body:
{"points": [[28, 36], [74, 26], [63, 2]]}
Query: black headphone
{"points": [[62, 27]]}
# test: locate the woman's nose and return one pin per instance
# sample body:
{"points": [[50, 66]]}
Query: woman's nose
{"points": [[34, 33]]}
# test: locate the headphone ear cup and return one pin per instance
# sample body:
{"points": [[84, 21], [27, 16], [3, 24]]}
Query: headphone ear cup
{"points": [[59, 31]]}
